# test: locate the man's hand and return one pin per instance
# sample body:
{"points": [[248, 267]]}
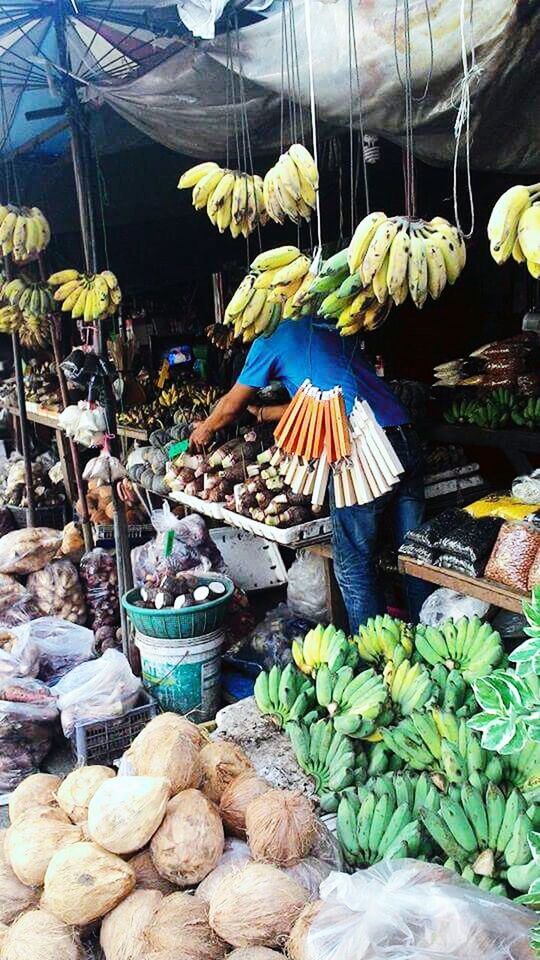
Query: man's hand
{"points": [[202, 436]]}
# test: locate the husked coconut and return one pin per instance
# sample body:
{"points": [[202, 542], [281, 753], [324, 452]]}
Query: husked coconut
{"points": [[38, 790], [76, 791], [281, 827], [253, 953], [257, 907], [189, 843], [37, 935], [15, 897], [297, 946], [84, 882], [124, 813], [169, 746], [146, 875], [222, 762], [123, 929], [32, 841], [3, 931], [235, 855], [236, 798], [180, 931]]}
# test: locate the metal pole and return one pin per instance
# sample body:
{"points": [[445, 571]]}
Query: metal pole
{"points": [[23, 421]]}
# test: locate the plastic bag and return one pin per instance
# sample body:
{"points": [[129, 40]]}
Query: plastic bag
{"points": [[84, 423], [513, 555], [306, 590], [450, 561], [10, 591], [472, 540], [534, 573], [57, 591], [28, 717], [503, 506], [22, 611], [407, 910], [418, 552], [429, 533], [61, 646], [444, 604], [192, 548], [99, 578], [24, 551], [97, 690], [527, 488], [271, 640]]}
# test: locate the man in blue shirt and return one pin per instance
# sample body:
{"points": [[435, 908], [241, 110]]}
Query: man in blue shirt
{"points": [[299, 350]]}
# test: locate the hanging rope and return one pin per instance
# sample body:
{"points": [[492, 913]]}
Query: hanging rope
{"points": [[355, 174], [462, 98], [307, 9]]}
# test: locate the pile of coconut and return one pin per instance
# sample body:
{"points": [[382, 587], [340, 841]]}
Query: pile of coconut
{"points": [[186, 854]]}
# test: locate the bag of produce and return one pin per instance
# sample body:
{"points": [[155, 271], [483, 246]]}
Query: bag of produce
{"points": [[28, 717], [428, 533], [10, 591], [99, 579], [527, 488], [449, 561], [534, 573], [513, 555], [60, 644], [306, 587], [24, 551], [418, 552], [503, 506], [404, 910], [192, 548], [444, 604], [22, 611], [472, 541], [24, 664], [97, 690], [57, 591], [6, 521]]}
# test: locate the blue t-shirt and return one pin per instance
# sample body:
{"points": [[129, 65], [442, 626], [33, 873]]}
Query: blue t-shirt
{"points": [[301, 349]]}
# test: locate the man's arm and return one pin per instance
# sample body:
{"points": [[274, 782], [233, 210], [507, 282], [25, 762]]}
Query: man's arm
{"points": [[270, 414], [226, 411]]}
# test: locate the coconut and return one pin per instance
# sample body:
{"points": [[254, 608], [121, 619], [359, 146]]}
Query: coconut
{"points": [[222, 762], [235, 800], [281, 827], [146, 875], [122, 931], [3, 931], [253, 953], [258, 909], [32, 841], [37, 935], [189, 843], [235, 855], [168, 747], [124, 813], [38, 790], [297, 944], [84, 882], [45, 813], [77, 790], [180, 931], [15, 897]]}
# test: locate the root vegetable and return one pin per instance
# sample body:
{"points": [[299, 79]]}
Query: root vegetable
{"points": [[236, 798], [15, 897], [84, 882], [180, 931], [222, 762], [31, 843], [189, 843], [38, 935], [281, 827], [38, 790], [124, 813], [123, 929], [76, 791], [168, 747]]}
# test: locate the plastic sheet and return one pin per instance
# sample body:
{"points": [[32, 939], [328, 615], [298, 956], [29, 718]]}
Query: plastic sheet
{"points": [[513, 555], [97, 690], [60, 646], [306, 588], [444, 604], [28, 716], [407, 910]]}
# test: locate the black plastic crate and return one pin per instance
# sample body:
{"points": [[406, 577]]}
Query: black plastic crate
{"points": [[105, 741], [53, 517]]}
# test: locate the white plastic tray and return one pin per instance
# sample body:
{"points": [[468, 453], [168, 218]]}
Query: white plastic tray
{"points": [[253, 563], [204, 507], [297, 536]]}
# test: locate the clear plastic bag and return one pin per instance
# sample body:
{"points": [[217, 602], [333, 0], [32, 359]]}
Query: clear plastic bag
{"points": [[10, 591], [445, 604], [418, 552], [270, 642], [472, 540], [407, 910], [60, 644], [28, 718], [24, 551], [513, 555], [22, 611], [451, 561], [429, 533], [57, 591], [533, 578], [97, 690], [306, 589], [192, 548], [527, 488], [99, 579]]}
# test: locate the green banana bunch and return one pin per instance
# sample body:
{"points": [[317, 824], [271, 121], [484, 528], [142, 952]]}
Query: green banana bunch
{"points": [[381, 759], [409, 686], [528, 415], [461, 411], [332, 760], [324, 645], [483, 883], [383, 638], [451, 692], [522, 770], [486, 831], [469, 645], [490, 416], [383, 822], [354, 702], [285, 695]]}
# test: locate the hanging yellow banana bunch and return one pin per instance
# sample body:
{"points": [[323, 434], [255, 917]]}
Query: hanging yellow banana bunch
{"points": [[290, 187], [514, 227], [88, 297], [234, 201], [24, 232]]}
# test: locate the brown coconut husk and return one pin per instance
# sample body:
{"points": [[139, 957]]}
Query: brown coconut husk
{"points": [[254, 953], [180, 931], [38, 790], [189, 843], [32, 841], [76, 791], [168, 747], [227, 867], [236, 798], [124, 813], [258, 909], [37, 935], [281, 827], [222, 762], [123, 929], [3, 931], [15, 897], [84, 882], [297, 942], [146, 875]]}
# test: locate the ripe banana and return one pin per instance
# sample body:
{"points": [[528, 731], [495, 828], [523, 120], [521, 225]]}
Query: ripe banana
{"points": [[290, 186], [24, 232]]}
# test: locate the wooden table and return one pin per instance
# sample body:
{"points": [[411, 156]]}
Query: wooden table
{"points": [[486, 590]]}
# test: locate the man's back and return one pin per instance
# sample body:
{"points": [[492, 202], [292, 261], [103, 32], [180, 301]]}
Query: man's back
{"points": [[301, 349]]}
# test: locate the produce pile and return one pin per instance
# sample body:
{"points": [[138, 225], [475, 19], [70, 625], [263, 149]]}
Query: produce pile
{"points": [[267, 497], [514, 227], [123, 851], [386, 724], [177, 405], [501, 366], [500, 409], [13, 492], [181, 591], [212, 476], [41, 384]]}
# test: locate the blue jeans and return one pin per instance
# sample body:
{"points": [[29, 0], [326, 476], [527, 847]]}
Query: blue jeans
{"points": [[355, 532]]}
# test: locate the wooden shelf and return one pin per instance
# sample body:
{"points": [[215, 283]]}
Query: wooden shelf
{"points": [[516, 443], [48, 418], [486, 590]]}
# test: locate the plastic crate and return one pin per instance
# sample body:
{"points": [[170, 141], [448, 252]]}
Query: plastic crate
{"points": [[105, 741], [171, 624], [53, 517]]}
